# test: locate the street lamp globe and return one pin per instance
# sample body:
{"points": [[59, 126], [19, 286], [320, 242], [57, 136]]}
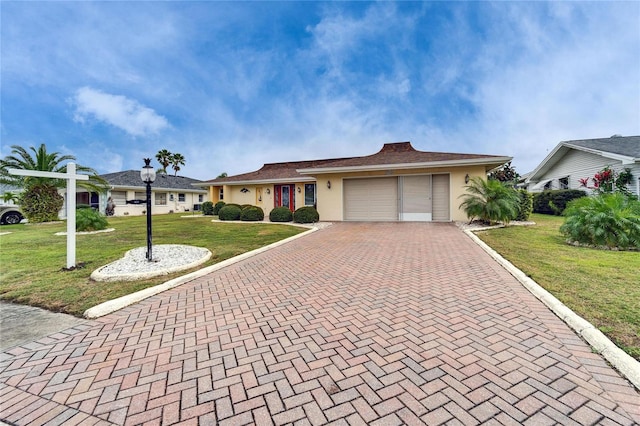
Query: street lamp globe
{"points": [[148, 173]]}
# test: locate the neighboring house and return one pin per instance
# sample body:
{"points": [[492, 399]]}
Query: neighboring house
{"points": [[168, 194], [398, 183], [571, 161]]}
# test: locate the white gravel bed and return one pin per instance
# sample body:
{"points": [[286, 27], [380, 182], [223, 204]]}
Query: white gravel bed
{"points": [[167, 258]]}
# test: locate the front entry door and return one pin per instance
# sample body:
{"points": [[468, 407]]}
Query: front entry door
{"points": [[285, 196]]}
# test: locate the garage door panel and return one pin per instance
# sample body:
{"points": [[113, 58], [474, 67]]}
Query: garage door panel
{"points": [[416, 198], [441, 200], [371, 199]]}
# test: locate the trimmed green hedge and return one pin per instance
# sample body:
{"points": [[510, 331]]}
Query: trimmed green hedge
{"points": [[207, 208], [230, 212], [306, 215], [218, 206], [554, 202], [281, 214], [525, 208], [252, 214]]}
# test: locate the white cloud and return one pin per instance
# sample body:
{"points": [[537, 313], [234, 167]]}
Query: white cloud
{"points": [[117, 110]]}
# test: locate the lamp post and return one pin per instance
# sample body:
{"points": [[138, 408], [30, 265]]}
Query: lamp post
{"points": [[148, 175]]}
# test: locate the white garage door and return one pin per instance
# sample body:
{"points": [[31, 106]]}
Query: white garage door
{"points": [[371, 199], [416, 198], [441, 198]]}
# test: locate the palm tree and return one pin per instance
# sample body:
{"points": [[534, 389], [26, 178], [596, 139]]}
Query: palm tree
{"points": [[490, 201], [176, 161], [164, 158], [36, 186]]}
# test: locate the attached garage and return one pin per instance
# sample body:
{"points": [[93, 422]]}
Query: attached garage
{"points": [[407, 198], [371, 199]]}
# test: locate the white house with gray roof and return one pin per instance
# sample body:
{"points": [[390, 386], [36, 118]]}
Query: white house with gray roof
{"points": [[169, 194], [571, 161]]}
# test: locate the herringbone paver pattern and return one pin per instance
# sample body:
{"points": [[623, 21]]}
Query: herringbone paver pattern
{"points": [[377, 324]]}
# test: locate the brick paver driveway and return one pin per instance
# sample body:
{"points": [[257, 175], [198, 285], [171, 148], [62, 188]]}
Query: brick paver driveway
{"points": [[394, 323]]}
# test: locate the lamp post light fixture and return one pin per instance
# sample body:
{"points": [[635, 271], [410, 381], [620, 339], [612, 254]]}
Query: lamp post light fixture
{"points": [[148, 175]]}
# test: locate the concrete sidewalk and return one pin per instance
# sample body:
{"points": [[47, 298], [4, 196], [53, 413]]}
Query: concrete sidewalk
{"points": [[398, 323]]}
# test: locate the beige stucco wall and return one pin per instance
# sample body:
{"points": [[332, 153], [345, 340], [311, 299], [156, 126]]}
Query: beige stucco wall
{"points": [[330, 201]]}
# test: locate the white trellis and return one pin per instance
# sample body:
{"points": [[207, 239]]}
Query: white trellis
{"points": [[71, 177]]}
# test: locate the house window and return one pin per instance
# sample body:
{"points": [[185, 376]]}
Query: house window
{"points": [[200, 198], [547, 186], [309, 194], [161, 198], [181, 198], [119, 197], [221, 194], [140, 196], [564, 182]]}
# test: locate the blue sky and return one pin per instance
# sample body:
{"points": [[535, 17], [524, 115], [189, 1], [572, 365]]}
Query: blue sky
{"points": [[233, 85]]}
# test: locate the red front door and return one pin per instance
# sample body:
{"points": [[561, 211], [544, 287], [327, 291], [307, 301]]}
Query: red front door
{"points": [[285, 196]]}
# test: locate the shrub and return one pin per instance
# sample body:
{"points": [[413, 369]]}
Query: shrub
{"points": [[229, 212], [252, 213], [88, 219], [490, 201], [554, 202], [611, 220], [207, 208], [525, 207], [281, 214], [217, 207], [41, 203], [246, 206], [306, 214]]}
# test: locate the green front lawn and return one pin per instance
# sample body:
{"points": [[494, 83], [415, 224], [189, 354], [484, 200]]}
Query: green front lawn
{"points": [[32, 258], [601, 286]]}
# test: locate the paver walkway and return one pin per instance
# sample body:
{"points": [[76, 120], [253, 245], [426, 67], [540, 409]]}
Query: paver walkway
{"points": [[399, 323]]}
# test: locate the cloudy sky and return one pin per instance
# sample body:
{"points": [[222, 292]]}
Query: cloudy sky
{"points": [[233, 85]]}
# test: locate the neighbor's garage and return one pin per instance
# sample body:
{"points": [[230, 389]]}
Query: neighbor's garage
{"points": [[408, 198]]}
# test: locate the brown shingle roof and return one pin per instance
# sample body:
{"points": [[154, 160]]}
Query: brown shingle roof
{"points": [[405, 153], [274, 171], [391, 153]]}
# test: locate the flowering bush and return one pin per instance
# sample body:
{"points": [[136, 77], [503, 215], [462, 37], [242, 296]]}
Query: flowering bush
{"points": [[607, 181]]}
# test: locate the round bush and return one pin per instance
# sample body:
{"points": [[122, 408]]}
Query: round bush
{"points": [[306, 215], [217, 207], [252, 214], [606, 220], [41, 203], [229, 212], [246, 206], [281, 214], [207, 208], [88, 219]]}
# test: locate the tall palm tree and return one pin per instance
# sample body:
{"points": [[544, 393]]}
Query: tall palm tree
{"points": [[164, 158], [490, 201], [177, 160], [40, 195], [45, 162]]}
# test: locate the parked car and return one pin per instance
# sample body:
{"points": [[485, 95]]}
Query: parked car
{"points": [[10, 215]]}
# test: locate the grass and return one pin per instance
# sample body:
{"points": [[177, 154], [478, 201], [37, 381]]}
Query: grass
{"points": [[32, 258], [601, 286]]}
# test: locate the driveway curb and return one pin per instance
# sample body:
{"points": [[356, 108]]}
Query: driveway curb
{"points": [[620, 360], [124, 301]]}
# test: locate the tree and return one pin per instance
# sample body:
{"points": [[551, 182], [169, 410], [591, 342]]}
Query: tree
{"points": [[222, 175], [164, 158], [36, 187], [505, 173], [490, 201], [177, 160]]}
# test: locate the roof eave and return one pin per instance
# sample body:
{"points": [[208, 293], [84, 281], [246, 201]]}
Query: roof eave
{"points": [[156, 188], [259, 181], [423, 165]]}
